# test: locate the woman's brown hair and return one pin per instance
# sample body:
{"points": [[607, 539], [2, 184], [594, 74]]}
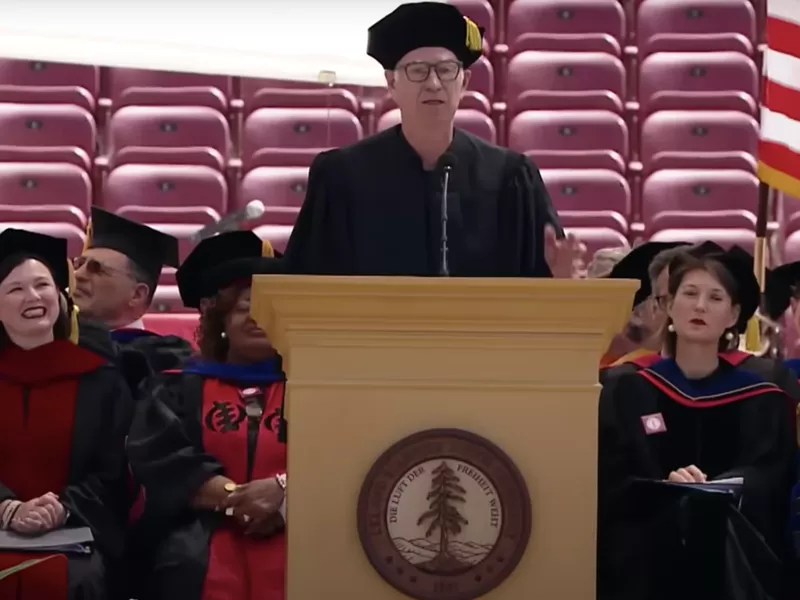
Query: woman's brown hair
{"points": [[212, 343], [682, 265]]}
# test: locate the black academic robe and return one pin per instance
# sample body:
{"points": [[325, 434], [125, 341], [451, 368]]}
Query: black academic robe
{"points": [[66, 412], [655, 541], [193, 426], [371, 209], [160, 352]]}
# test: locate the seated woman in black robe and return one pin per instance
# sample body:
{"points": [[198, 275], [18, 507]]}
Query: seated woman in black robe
{"points": [[673, 427], [206, 442], [65, 414]]}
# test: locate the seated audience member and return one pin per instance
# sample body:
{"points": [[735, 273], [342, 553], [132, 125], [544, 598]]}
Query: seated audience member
{"points": [[641, 335], [66, 412], [206, 441], [684, 421]]}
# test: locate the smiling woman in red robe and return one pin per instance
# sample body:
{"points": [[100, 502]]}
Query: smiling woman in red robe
{"points": [[206, 443], [65, 412]]}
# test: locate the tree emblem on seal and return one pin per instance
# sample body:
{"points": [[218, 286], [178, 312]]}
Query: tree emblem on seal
{"points": [[443, 515]]}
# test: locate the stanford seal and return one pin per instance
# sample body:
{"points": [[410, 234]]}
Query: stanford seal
{"points": [[444, 515]]}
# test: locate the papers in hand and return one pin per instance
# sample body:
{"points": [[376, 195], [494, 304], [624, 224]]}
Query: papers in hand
{"points": [[73, 540]]}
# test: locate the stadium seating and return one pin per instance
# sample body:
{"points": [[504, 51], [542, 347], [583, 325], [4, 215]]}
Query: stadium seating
{"points": [[642, 117]]}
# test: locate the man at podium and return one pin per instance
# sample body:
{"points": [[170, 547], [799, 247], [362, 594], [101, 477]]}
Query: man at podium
{"points": [[423, 197]]}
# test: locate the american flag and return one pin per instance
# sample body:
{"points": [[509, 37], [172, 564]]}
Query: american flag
{"points": [[779, 148]]}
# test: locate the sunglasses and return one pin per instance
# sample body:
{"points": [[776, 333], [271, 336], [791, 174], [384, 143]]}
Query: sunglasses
{"points": [[95, 267]]}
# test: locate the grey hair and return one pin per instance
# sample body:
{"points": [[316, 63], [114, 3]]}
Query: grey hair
{"points": [[604, 260]]}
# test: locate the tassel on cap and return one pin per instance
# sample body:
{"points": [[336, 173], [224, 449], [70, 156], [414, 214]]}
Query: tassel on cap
{"points": [[74, 332], [267, 250], [474, 42], [87, 242]]}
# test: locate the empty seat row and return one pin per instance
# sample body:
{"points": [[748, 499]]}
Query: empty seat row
{"points": [[647, 19]]}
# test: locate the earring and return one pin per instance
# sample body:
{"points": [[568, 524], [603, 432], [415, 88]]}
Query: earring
{"points": [[223, 335], [729, 336], [671, 328]]}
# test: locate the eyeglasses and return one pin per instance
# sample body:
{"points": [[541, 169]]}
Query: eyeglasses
{"points": [[95, 267], [446, 70]]}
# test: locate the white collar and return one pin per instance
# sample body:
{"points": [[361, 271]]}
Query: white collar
{"points": [[137, 324]]}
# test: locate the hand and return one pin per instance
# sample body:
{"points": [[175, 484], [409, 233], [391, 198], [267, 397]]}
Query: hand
{"points": [[565, 256], [690, 474], [266, 528], [255, 501], [39, 515]]}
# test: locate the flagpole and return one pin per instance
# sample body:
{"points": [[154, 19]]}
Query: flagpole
{"points": [[753, 334]]}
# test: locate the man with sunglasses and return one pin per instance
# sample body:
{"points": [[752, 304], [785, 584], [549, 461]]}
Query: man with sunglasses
{"points": [[375, 208], [116, 278]]}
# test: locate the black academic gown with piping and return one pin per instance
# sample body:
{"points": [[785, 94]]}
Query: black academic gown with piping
{"points": [[75, 407], [371, 209], [658, 543]]}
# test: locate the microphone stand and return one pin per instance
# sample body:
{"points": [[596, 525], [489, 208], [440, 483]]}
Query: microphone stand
{"points": [[444, 268]]}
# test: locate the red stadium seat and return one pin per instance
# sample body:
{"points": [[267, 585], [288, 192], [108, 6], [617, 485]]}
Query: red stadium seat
{"points": [[698, 131], [44, 213], [277, 235], [183, 325], [151, 155], [281, 189], [606, 160], [40, 94], [40, 73], [569, 130], [319, 128], [46, 154], [38, 184], [169, 126], [120, 80], [301, 98], [47, 125], [694, 42], [179, 186], [167, 301], [698, 17], [481, 80], [530, 73], [565, 16], [700, 190], [695, 72], [589, 191]]}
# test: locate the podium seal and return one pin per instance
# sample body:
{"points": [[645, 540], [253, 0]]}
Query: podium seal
{"points": [[444, 514]]}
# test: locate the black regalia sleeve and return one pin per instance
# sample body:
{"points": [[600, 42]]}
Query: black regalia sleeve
{"points": [[320, 241], [5, 493], [96, 498], [525, 210], [165, 444]]}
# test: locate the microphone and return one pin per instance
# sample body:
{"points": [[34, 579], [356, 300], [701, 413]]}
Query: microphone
{"points": [[445, 164], [230, 222]]}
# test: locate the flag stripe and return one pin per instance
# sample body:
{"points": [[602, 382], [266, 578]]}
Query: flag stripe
{"points": [[785, 10], [779, 148], [782, 36], [781, 100]]}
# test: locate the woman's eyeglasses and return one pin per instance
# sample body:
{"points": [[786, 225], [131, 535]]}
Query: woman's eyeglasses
{"points": [[446, 70]]}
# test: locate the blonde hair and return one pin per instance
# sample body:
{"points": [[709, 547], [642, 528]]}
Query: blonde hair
{"points": [[604, 260]]}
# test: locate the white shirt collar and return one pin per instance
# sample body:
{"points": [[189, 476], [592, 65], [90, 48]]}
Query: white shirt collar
{"points": [[137, 324]]}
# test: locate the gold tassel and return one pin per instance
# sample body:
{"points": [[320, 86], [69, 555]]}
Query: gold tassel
{"points": [[266, 250], [752, 335], [474, 42], [87, 242], [74, 332]]}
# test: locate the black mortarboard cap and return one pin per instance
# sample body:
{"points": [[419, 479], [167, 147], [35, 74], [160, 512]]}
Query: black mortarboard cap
{"points": [[779, 289], [222, 260], [423, 25], [634, 265], [52, 251], [149, 248]]}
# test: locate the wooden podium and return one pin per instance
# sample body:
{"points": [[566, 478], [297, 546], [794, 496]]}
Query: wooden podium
{"points": [[371, 360]]}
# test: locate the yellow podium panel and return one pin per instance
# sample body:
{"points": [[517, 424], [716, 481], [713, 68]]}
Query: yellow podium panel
{"points": [[500, 374]]}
